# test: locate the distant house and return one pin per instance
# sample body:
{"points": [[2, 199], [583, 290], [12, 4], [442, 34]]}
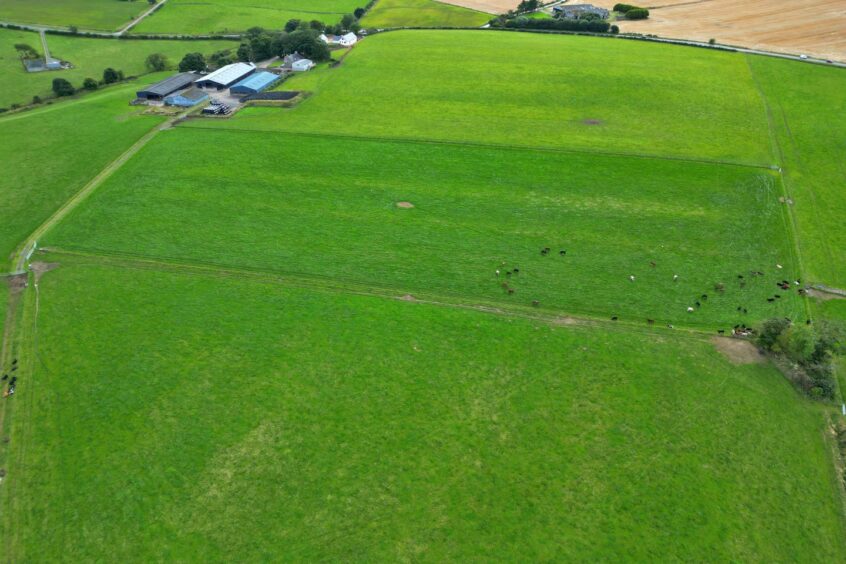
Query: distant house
{"points": [[302, 65], [224, 77], [576, 11], [346, 40], [171, 84], [254, 83], [186, 98], [38, 65], [289, 60]]}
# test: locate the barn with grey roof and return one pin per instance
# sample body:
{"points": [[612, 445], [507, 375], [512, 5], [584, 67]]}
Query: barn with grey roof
{"points": [[168, 86]]}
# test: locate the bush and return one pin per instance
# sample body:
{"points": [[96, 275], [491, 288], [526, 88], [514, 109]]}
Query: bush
{"points": [[637, 14], [89, 84], [110, 75], [812, 349], [623, 8], [156, 62], [36, 99], [62, 87], [593, 26]]}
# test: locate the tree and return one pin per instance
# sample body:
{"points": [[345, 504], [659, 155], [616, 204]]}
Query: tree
{"points": [[316, 25], [244, 53], [62, 87], [110, 76], [261, 47], [26, 51], [36, 99], [192, 62], [359, 13], [222, 58], [89, 84], [797, 343], [157, 62], [303, 42], [151, 2], [637, 14], [615, 29], [528, 5], [292, 25], [347, 21]]}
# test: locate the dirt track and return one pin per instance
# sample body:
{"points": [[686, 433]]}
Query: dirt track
{"points": [[813, 27]]}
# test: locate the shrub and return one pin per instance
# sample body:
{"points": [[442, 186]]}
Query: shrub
{"points": [[156, 62], [111, 76], [637, 14], [89, 84], [623, 8], [769, 332], [62, 87]]}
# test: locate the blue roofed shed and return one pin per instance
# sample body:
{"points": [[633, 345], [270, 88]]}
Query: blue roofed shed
{"points": [[186, 98], [254, 83]]}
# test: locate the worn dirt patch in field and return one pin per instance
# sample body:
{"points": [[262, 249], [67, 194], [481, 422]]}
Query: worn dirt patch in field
{"points": [[408, 298], [592, 122], [813, 27], [738, 351], [405, 205], [824, 296], [39, 268]]}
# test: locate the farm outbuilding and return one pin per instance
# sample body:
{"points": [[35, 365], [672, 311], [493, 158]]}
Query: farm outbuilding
{"points": [[224, 77], [171, 84], [254, 83], [302, 65], [187, 98]]}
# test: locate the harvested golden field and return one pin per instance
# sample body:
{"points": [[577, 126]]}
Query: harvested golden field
{"points": [[489, 6], [813, 27]]}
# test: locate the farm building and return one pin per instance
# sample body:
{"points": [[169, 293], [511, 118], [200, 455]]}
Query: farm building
{"points": [[302, 65], [346, 40], [160, 90], [254, 83], [576, 11], [224, 77], [186, 98]]}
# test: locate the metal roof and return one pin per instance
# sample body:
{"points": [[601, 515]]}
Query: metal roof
{"points": [[170, 84], [225, 76], [257, 81], [191, 94]]}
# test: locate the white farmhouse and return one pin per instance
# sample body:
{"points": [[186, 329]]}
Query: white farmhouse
{"points": [[302, 65], [346, 40]]}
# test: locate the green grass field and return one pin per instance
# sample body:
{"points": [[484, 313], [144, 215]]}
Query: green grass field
{"points": [[421, 13], [535, 90], [248, 351], [105, 15], [50, 153], [210, 16], [333, 215], [180, 416], [809, 113], [89, 57]]}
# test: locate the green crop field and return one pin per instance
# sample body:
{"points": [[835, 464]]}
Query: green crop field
{"points": [[210, 16], [473, 210], [809, 115], [329, 332], [50, 153], [104, 15], [535, 90], [89, 58], [215, 418], [422, 13]]}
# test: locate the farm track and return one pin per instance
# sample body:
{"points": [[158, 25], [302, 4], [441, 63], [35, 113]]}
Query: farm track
{"points": [[92, 257], [535, 148], [30, 243]]}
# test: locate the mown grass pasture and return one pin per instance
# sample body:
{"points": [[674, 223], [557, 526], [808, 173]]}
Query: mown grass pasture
{"points": [[50, 153], [334, 215], [103, 15], [89, 58], [808, 111], [216, 417], [222, 16], [535, 90], [422, 13]]}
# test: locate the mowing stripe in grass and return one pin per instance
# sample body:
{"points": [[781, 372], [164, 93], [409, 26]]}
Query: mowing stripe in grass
{"points": [[428, 141]]}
